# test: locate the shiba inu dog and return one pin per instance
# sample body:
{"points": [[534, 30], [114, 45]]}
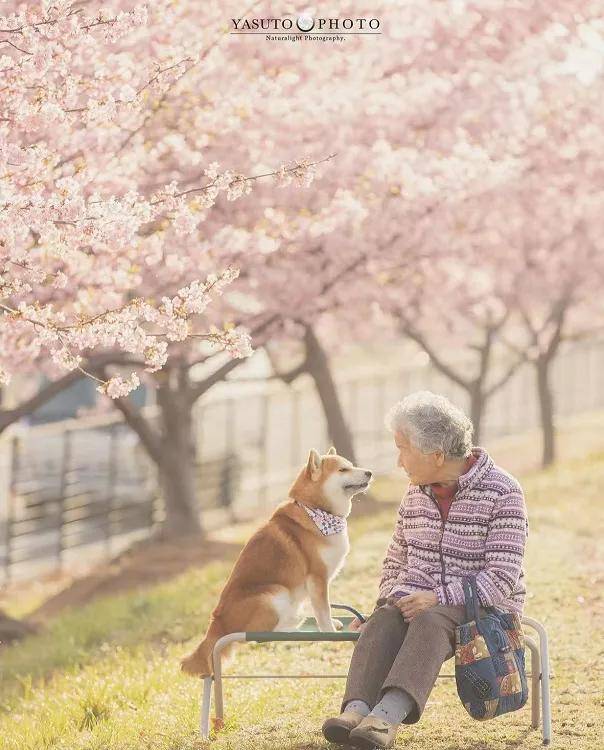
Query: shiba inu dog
{"points": [[289, 560]]}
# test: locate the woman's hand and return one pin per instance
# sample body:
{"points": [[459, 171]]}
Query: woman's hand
{"points": [[412, 604], [356, 624]]}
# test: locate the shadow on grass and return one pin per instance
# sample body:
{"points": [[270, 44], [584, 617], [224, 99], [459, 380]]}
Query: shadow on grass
{"points": [[154, 561], [146, 596], [141, 566], [154, 594]]}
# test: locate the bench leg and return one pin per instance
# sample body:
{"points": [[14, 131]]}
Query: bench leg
{"points": [[204, 718], [544, 673], [218, 721], [545, 689], [535, 682]]}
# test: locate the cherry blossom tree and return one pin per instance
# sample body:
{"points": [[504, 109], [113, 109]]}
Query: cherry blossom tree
{"points": [[132, 240], [104, 259], [559, 294], [457, 316], [524, 85], [318, 251], [551, 217], [77, 224], [439, 155]]}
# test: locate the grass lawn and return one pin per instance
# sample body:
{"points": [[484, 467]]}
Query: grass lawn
{"points": [[107, 675]]}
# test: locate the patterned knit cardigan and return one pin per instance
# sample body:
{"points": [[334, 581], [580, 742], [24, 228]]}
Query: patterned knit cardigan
{"points": [[485, 533]]}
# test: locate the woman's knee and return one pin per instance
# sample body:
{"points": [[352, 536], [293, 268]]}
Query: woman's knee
{"points": [[386, 615], [428, 618], [385, 611]]}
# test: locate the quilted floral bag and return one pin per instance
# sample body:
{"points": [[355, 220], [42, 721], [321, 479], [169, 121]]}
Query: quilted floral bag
{"points": [[489, 659]]}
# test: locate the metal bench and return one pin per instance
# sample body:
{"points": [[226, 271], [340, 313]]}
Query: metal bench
{"points": [[539, 674]]}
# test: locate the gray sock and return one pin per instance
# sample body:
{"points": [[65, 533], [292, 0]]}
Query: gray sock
{"points": [[394, 706], [359, 706]]}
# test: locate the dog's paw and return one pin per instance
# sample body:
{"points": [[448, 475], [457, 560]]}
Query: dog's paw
{"points": [[338, 624], [194, 666]]}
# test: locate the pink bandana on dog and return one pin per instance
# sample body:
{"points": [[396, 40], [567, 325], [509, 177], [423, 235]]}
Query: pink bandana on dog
{"points": [[326, 522]]}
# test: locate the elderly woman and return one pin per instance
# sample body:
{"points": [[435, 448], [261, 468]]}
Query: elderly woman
{"points": [[461, 515]]}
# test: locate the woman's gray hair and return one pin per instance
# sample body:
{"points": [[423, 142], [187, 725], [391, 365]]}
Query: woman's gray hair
{"points": [[432, 423]]}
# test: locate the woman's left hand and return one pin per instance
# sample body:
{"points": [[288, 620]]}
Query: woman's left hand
{"points": [[413, 604]]}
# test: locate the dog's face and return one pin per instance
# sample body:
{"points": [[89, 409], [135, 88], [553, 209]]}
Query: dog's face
{"points": [[330, 481]]}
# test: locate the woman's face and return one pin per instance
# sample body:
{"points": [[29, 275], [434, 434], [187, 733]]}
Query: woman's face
{"points": [[420, 467]]}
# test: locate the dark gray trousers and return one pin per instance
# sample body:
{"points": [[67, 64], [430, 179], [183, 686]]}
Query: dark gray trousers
{"points": [[393, 653]]}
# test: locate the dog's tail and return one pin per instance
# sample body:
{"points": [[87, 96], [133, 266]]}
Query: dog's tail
{"points": [[199, 663]]}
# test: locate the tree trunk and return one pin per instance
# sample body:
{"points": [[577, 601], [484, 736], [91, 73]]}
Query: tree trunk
{"points": [[318, 369], [177, 460], [546, 405], [171, 445], [477, 405]]}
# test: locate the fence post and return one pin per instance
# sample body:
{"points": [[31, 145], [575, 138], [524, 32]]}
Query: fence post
{"points": [[353, 390], [295, 427], [263, 446], [230, 426], [111, 477], [10, 490], [377, 436], [65, 463]]}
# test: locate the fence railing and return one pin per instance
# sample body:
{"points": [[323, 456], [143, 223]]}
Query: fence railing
{"points": [[85, 489]]}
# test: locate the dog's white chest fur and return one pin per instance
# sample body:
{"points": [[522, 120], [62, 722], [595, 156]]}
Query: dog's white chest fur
{"points": [[334, 552], [289, 604]]}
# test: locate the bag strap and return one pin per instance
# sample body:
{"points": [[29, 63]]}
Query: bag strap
{"points": [[472, 602]]}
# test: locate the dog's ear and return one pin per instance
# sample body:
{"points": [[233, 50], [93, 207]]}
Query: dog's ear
{"points": [[313, 467], [331, 451]]}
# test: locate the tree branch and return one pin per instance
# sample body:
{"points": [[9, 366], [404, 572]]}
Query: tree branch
{"points": [[149, 437], [505, 377], [438, 362], [49, 391], [199, 388], [559, 318]]}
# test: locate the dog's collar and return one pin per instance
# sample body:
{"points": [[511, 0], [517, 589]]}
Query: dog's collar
{"points": [[326, 522]]}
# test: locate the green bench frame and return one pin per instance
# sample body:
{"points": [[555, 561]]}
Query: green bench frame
{"points": [[539, 674]]}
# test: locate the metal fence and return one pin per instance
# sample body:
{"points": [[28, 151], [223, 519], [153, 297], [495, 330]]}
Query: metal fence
{"points": [[85, 489]]}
